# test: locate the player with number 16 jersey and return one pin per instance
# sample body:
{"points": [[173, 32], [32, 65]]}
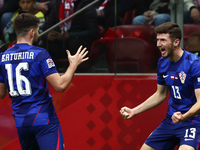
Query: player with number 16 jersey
{"points": [[23, 70]]}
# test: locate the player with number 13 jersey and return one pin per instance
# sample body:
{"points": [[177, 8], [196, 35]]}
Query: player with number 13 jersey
{"points": [[182, 78]]}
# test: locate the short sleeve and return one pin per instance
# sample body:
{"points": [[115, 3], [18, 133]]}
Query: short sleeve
{"points": [[195, 71], [160, 79], [47, 64]]}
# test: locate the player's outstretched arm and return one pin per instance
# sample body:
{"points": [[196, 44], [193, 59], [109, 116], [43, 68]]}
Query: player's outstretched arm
{"points": [[3, 90], [61, 82], [154, 100]]}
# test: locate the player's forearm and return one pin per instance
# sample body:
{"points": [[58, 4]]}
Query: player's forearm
{"points": [[194, 110], [153, 101], [67, 77]]}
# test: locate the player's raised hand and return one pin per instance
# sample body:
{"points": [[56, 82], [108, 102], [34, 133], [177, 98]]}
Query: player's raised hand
{"points": [[79, 57], [126, 112], [177, 117]]}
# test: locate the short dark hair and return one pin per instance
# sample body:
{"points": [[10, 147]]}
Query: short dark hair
{"points": [[24, 22], [171, 28]]}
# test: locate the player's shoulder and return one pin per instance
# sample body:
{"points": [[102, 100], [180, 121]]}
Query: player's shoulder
{"points": [[24, 47], [191, 56], [41, 49], [40, 53], [36, 51]]}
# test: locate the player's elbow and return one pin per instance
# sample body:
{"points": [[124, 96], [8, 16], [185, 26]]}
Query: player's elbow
{"points": [[60, 89]]}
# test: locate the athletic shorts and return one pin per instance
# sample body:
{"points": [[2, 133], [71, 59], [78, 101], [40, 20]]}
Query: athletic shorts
{"points": [[167, 136], [41, 137]]}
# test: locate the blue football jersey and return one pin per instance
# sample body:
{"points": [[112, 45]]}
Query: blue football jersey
{"points": [[182, 78], [23, 69]]}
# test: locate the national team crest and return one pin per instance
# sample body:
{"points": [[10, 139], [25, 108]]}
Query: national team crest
{"points": [[182, 77], [50, 63]]}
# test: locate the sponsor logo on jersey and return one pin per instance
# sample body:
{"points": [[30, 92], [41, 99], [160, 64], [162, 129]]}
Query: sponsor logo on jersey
{"points": [[189, 139], [50, 63], [182, 77], [165, 76]]}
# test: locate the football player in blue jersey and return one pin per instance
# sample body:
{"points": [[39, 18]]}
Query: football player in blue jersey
{"points": [[178, 73], [24, 72]]}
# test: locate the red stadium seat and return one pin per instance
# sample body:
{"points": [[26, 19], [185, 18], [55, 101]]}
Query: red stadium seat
{"points": [[101, 31], [128, 17], [146, 32], [131, 55], [189, 29], [94, 52]]}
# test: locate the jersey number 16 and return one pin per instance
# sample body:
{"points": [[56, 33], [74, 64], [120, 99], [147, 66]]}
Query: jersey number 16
{"points": [[19, 79]]}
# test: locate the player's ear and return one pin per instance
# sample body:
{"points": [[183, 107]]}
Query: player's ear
{"points": [[177, 42], [31, 32]]}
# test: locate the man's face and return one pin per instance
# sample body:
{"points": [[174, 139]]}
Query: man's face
{"points": [[26, 5], [165, 45]]}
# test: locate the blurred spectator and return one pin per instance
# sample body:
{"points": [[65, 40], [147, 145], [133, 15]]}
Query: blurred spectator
{"points": [[45, 6], [191, 12], [106, 11], [193, 43], [26, 6], [1, 3], [142, 6], [42, 5], [159, 12], [10, 6], [6, 11], [81, 30], [54, 39]]}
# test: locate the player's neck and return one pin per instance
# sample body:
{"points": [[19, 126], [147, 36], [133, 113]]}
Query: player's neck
{"points": [[177, 54], [23, 40]]}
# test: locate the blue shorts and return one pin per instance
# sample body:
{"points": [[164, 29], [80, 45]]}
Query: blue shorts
{"points": [[41, 137], [167, 136]]}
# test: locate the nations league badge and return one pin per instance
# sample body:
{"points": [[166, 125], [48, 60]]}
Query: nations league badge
{"points": [[182, 77], [50, 63]]}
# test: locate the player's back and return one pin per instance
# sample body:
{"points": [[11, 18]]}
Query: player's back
{"points": [[23, 69]]}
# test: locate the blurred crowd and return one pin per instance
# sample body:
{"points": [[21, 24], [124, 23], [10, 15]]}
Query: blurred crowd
{"points": [[85, 28]]}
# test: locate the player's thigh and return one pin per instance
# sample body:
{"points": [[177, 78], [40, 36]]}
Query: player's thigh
{"points": [[27, 138], [146, 147], [50, 137], [162, 138], [189, 136], [186, 147]]}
